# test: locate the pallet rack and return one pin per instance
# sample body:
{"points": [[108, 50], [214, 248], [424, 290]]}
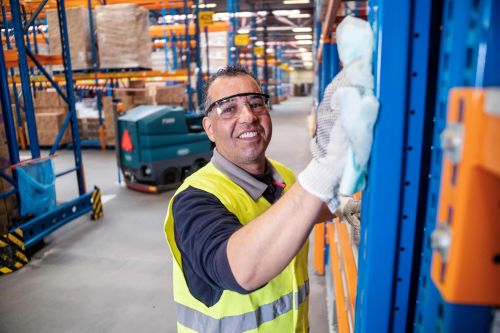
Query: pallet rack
{"points": [[24, 236], [423, 51]]}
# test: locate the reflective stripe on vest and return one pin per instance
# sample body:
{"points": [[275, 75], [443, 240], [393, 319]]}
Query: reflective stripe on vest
{"points": [[200, 322]]}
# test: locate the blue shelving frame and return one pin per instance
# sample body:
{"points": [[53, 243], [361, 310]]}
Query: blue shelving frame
{"points": [[40, 226], [415, 66], [469, 56]]}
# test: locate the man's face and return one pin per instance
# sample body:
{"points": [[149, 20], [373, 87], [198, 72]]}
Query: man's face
{"points": [[235, 138]]}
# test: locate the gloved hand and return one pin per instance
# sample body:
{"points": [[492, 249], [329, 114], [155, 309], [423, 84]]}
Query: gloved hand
{"points": [[322, 175], [327, 113], [329, 135], [350, 211]]}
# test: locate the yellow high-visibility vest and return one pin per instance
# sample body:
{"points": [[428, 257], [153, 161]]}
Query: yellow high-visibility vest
{"points": [[280, 306]]}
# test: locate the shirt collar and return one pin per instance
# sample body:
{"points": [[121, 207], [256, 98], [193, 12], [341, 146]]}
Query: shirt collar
{"points": [[243, 179]]}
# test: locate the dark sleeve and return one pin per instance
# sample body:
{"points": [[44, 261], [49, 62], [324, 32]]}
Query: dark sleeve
{"points": [[202, 227]]}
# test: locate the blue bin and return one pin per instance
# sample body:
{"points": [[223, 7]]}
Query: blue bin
{"points": [[37, 189]]}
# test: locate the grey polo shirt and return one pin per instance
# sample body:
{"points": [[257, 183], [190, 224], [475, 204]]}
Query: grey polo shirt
{"points": [[255, 186], [203, 225]]}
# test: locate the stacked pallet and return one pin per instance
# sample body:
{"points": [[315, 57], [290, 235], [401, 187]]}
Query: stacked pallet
{"points": [[109, 120], [123, 45], [88, 128], [173, 95], [50, 113], [78, 35]]}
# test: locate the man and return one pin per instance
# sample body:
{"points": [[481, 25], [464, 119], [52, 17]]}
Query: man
{"points": [[240, 254]]}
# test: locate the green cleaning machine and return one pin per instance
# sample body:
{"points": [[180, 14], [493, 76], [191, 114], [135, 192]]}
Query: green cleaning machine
{"points": [[160, 146]]}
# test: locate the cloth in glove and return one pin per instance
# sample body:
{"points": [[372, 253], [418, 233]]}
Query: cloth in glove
{"points": [[358, 106], [327, 115], [322, 175], [358, 117]]}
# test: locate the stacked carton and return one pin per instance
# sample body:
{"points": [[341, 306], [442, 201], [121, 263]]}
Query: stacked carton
{"points": [[78, 33], [48, 126], [217, 51], [50, 113], [109, 120], [123, 36], [174, 95], [89, 128], [139, 93]]}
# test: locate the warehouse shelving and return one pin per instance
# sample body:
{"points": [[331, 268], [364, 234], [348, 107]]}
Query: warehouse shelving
{"points": [[422, 52], [468, 58], [25, 235]]}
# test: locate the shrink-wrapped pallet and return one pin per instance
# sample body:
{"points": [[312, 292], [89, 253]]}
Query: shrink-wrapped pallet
{"points": [[77, 19], [123, 36]]}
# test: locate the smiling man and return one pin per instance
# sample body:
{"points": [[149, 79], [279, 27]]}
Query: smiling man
{"points": [[238, 227]]}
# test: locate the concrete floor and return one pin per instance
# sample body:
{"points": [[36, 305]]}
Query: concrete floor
{"points": [[114, 275]]}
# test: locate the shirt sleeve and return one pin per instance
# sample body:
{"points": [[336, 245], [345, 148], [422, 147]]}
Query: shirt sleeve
{"points": [[202, 227]]}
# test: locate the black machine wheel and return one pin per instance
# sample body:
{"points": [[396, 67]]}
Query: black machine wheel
{"points": [[171, 176]]}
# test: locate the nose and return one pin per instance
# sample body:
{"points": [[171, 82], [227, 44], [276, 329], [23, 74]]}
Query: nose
{"points": [[246, 115]]}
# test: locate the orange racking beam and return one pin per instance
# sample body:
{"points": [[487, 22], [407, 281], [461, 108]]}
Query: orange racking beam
{"points": [[12, 59], [319, 248], [158, 31], [340, 303], [350, 269]]}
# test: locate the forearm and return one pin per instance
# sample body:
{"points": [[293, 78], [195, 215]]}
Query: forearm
{"points": [[263, 248], [325, 214]]}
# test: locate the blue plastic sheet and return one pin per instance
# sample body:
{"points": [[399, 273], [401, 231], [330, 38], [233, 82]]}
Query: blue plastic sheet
{"points": [[37, 190]]}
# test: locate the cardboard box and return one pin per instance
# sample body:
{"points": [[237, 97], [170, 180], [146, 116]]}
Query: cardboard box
{"points": [[48, 126], [89, 128], [79, 36], [123, 45], [48, 99]]}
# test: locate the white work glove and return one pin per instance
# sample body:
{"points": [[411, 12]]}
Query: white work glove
{"points": [[322, 175], [328, 146]]}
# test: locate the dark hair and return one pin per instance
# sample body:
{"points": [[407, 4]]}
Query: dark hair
{"points": [[228, 71]]}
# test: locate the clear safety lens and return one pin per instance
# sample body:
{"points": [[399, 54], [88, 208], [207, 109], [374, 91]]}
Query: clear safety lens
{"points": [[231, 107]]}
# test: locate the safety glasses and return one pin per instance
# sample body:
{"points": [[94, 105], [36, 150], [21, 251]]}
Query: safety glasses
{"points": [[230, 107]]}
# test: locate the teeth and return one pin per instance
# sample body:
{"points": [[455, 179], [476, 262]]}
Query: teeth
{"points": [[248, 135]]}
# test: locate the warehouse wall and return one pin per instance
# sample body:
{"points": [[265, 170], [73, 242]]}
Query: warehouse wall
{"points": [[301, 76]]}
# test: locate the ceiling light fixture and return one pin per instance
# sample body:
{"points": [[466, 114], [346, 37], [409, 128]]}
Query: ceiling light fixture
{"points": [[299, 15], [302, 29], [304, 42], [303, 36], [208, 5], [286, 12], [294, 2]]}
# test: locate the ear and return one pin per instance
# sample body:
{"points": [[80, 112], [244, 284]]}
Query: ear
{"points": [[207, 126]]}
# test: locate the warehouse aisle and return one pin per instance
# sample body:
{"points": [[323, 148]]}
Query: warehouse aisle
{"points": [[114, 275]]}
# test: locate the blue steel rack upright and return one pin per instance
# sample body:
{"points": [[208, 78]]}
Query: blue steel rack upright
{"points": [[35, 229], [391, 221], [469, 57], [415, 66]]}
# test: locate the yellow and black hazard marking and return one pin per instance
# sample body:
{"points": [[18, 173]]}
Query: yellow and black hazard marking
{"points": [[12, 252], [97, 211]]}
